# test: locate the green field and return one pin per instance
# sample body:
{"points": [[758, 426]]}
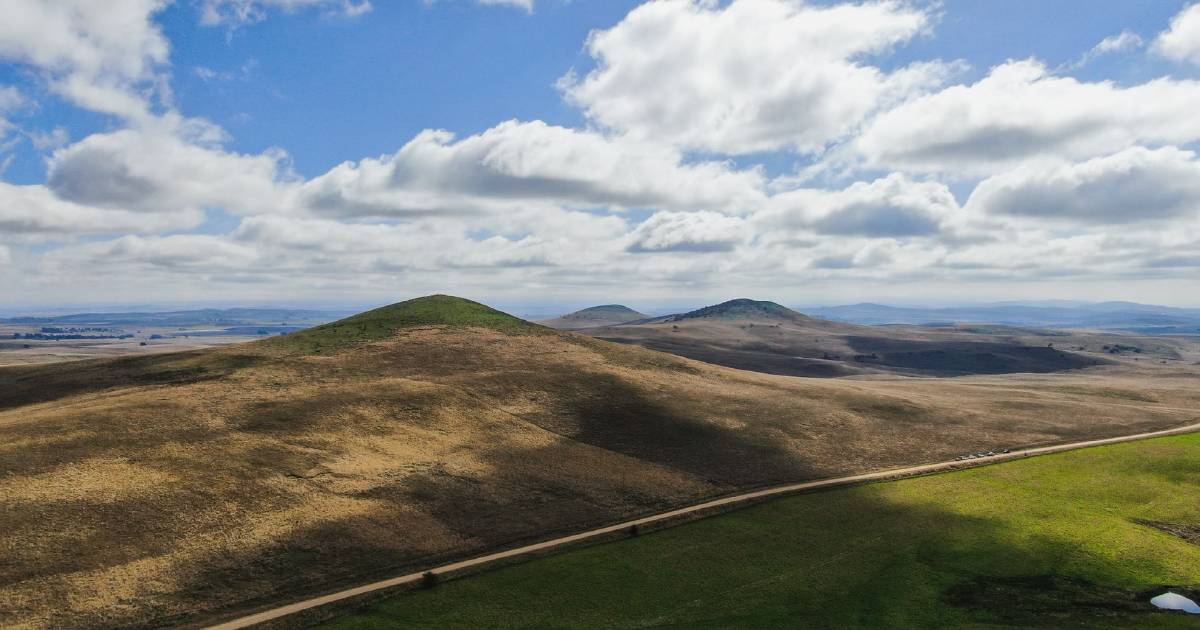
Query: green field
{"points": [[1049, 542]]}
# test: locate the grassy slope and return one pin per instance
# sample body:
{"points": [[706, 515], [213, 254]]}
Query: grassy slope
{"points": [[151, 489], [970, 548]]}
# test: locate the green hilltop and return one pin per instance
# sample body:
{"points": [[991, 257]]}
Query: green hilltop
{"points": [[606, 311], [383, 322], [742, 309]]}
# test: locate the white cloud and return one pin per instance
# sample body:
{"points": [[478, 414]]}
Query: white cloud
{"points": [[10, 99], [36, 210], [688, 232], [1181, 41], [1134, 185], [241, 12], [535, 207], [167, 168], [1020, 111], [520, 4], [755, 75], [97, 54], [890, 207], [516, 163], [49, 140], [1124, 41], [183, 253]]}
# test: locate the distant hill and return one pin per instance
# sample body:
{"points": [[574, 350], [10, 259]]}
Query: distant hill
{"points": [[172, 489], [767, 337], [742, 309], [1142, 318], [605, 315]]}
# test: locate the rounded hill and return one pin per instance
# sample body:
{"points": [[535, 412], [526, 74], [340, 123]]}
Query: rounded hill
{"points": [[743, 308], [383, 322], [596, 316]]}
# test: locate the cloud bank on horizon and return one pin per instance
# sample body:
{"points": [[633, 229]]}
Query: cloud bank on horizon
{"points": [[776, 147]]}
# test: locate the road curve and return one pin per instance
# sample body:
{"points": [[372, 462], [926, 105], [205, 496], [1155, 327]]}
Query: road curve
{"points": [[908, 471]]}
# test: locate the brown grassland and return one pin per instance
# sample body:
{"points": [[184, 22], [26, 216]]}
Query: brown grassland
{"points": [[766, 337], [176, 488]]}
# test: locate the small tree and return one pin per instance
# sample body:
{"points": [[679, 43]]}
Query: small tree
{"points": [[429, 579]]}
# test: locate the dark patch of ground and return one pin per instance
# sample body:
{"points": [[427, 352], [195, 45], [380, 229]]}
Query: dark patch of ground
{"points": [[965, 357], [1190, 533], [1050, 601], [756, 360]]}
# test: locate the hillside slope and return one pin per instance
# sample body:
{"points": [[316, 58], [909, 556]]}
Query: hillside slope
{"points": [[767, 337], [159, 490]]}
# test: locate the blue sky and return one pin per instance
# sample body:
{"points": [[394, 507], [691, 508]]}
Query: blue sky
{"points": [[195, 145]]}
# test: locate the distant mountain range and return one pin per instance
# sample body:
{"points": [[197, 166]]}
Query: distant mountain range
{"points": [[1125, 316], [189, 318], [1130, 316]]}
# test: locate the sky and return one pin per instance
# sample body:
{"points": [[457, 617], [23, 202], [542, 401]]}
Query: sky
{"points": [[584, 151]]}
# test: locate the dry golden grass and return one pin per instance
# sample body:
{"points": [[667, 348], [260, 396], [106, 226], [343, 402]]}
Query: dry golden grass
{"points": [[796, 345], [175, 488]]}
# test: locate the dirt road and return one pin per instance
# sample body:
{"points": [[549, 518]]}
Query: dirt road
{"points": [[908, 471]]}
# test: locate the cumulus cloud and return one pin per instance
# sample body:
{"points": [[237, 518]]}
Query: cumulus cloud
{"points": [[755, 75], [1021, 111], [182, 252], [519, 162], [1181, 41], [36, 210], [866, 256], [688, 232], [1133, 185], [533, 206], [242, 12], [166, 168], [890, 207], [97, 54]]}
